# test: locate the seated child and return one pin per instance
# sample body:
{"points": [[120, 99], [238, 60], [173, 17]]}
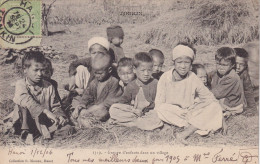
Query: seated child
{"points": [[36, 99], [135, 107], [175, 98], [226, 85], [158, 60], [125, 71], [48, 74], [115, 35], [201, 72], [101, 93], [80, 70], [242, 71]]}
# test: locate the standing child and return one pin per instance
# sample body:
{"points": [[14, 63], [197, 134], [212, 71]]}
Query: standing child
{"points": [[158, 60], [125, 71], [176, 93], [242, 71], [36, 98], [115, 35], [201, 72], [226, 84], [101, 93], [135, 108]]}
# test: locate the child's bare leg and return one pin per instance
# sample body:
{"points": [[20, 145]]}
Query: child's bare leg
{"points": [[182, 136], [224, 126]]}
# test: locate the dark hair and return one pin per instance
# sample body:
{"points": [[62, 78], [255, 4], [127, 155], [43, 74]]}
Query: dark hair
{"points": [[36, 56], [142, 57], [195, 67], [241, 52], [125, 62], [188, 45], [227, 54], [157, 53]]}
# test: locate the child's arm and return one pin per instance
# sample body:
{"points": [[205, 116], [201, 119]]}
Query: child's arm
{"points": [[205, 96], [223, 89], [113, 96], [25, 99], [55, 107], [161, 91]]}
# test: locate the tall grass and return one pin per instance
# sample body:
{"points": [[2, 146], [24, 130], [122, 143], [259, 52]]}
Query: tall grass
{"points": [[104, 11], [205, 22]]}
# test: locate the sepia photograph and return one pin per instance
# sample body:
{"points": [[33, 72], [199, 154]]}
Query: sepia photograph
{"points": [[129, 81]]}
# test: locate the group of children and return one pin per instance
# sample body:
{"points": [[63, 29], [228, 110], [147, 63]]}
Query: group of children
{"points": [[109, 87]]}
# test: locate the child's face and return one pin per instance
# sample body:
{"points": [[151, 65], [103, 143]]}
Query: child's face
{"points": [[240, 64], [101, 74], [144, 71], [126, 74], [117, 41], [202, 74], [223, 67], [48, 72], [157, 64], [35, 72], [182, 65], [96, 49]]}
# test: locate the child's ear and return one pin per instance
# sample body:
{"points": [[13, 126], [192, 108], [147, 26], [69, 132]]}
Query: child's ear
{"points": [[134, 70]]}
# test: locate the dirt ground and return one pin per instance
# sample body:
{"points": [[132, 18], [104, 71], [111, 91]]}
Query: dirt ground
{"points": [[242, 130]]}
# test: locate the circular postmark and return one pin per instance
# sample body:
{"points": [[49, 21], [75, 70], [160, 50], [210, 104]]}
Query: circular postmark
{"points": [[17, 21], [20, 23]]}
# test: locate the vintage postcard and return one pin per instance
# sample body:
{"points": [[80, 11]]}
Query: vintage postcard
{"points": [[129, 81]]}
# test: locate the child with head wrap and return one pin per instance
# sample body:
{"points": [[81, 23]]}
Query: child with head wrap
{"points": [[175, 98]]}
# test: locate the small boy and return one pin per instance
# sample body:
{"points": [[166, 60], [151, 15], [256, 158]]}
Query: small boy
{"points": [[201, 72], [36, 99], [158, 60], [115, 35], [48, 74], [125, 71], [80, 71], [242, 71], [226, 85], [100, 94], [135, 108]]}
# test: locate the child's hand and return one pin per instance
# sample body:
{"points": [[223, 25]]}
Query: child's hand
{"points": [[51, 116], [138, 112], [75, 113], [62, 121]]}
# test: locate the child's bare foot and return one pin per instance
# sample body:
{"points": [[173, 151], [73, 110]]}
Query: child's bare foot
{"points": [[24, 135], [180, 140]]}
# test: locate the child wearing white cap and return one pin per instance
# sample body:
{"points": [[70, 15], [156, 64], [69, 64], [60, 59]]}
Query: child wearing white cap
{"points": [[80, 71], [175, 98]]}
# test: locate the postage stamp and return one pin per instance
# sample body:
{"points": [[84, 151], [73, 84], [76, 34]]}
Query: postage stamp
{"points": [[20, 23]]}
